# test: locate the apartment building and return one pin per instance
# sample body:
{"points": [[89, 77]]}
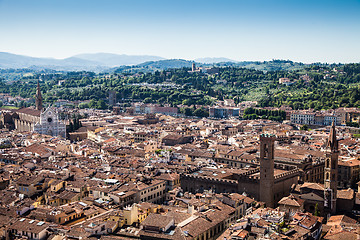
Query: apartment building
{"points": [[223, 112], [315, 118]]}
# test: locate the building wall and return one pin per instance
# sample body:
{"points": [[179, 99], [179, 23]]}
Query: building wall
{"points": [[283, 185], [41, 124], [112, 98], [223, 112], [50, 124], [345, 205], [24, 126], [155, 193], [312, 118], [348, 176], [290, 209], [131, 215], [193, 184], [123, 201], [235, 163], [28, 190], [314, 173], [250, 186]]}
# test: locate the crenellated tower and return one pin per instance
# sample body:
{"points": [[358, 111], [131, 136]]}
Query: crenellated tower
{"points": [[331, 172], [267, 178]]}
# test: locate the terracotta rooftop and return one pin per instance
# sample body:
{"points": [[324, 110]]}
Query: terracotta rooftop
{"points": [[315, 186], [340, 219], [157, 220], [339, 233], [291, 201], [345, 194], [350, 163], [28, 225], [29, 111]]}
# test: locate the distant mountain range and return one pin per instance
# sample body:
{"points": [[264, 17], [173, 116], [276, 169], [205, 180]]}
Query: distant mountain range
{"points": [[9, 60], [107, 62], [213, 60], [112, 60], [93, 62], [97, 61]]}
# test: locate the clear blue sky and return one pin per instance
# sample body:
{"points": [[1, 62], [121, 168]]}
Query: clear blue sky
{"points": [[299, 30]]}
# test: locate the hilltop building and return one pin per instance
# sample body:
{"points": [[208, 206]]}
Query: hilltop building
{"points": [[223, 112], [285, 81], [316, 118], [143, 108], [112, 98]]}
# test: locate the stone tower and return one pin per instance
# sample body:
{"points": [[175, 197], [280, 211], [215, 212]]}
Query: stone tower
{"points": [[112, 98], [267, 169], [331, 172], [193, 67], [38, 98]]}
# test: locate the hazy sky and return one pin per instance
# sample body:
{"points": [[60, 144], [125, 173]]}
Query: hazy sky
{"points": [[299, 30]]}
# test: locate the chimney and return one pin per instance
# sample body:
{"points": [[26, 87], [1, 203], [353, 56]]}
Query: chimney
{"points": [[191, 209]]}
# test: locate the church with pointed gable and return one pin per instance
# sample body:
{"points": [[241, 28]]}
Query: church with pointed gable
{"points": [[50, 124], [39, 120], [324, 197]]}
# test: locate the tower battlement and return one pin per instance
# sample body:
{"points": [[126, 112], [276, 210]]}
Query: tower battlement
{"points": [[247, 175], [287, 174], [256, 170], [267, 137], [250, 179], [210, 179]]}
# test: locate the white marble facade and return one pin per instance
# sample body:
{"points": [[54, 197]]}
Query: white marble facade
{"points": [[50, 124]]}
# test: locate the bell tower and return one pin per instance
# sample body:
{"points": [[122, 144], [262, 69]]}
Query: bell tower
{"points": [[331, 171], [267, 169], [38, 97]]}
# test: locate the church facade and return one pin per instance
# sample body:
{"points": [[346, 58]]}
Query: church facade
{"points": [[37, 119], [50, 124]]}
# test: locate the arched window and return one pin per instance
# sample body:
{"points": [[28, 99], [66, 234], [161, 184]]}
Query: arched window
{"points": [[266, 150]]}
